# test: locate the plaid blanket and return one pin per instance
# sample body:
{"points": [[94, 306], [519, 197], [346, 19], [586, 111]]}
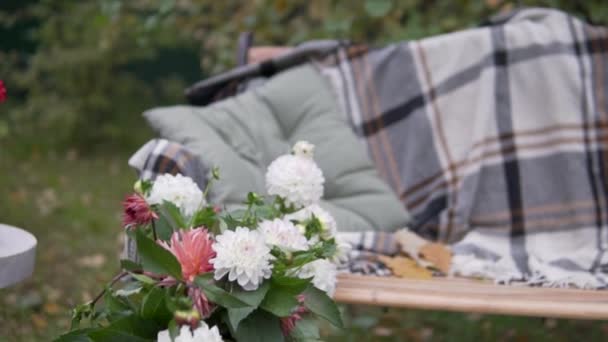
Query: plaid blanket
{"points": [[495, 139]]}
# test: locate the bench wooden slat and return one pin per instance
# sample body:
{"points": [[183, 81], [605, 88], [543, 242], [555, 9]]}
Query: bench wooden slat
{"points": [[464, 295]]}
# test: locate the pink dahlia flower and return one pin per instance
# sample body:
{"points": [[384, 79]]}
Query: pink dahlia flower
{"points": [[192, 248], [137, 211], [289, 323]]}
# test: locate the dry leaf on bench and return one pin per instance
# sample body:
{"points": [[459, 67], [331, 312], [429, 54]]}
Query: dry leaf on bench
{"points": [[410, 244], [405, 267], [438, 254]]}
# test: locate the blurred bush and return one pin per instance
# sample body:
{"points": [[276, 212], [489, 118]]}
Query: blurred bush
{"points": [[79, 73]]}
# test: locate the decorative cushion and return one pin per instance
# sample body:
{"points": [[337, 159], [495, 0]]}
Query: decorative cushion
{"points": [[244, 134]]}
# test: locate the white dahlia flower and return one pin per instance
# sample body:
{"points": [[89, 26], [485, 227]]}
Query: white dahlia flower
{"points": [[323, 273], [283, 234], [179, 190], [328, 223], [244, 256], [200, 334], [296, 178]]}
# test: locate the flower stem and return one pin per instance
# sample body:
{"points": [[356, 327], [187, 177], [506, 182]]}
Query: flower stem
{"points": [[114, 281], [154, 230]]}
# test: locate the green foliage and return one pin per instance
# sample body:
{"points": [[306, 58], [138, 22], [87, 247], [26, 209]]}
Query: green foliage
{"points": [[282, 297], [260, 326], [155, 258], [218, 295], [79, 73], [321, 305], [306, 329]]}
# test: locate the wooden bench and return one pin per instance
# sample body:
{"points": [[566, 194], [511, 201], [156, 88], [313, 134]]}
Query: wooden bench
{"points": [[465, 295]]}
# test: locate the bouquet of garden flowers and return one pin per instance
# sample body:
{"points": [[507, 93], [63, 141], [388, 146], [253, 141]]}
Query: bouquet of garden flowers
{"points": [[264, 272]]}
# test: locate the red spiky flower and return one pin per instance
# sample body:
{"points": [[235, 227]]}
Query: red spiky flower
{"points": [[137, 211]]}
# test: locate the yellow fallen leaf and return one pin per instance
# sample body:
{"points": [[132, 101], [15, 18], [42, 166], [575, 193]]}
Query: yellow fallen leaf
{"points": [[51, 308], [438, 254], [405, 267], [410, 244], [39, 321], [92, 261]]}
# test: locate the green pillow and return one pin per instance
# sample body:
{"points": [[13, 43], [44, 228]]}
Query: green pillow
{"points": [[244, 134]]}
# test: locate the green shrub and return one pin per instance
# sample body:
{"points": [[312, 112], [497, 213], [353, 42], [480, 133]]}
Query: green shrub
{"points": [[79, 73]]}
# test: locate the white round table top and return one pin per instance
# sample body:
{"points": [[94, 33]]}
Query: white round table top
{"points": [[17, 254]]}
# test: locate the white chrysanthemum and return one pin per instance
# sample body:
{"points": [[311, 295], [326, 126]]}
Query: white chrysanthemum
{"points": [[244, 256], [328, 223], [200, 334], [324, 275], [303, 148], [296, 178], [283, 234], [179, 190]]}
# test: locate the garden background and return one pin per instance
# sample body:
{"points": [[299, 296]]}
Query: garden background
{"points": [[80, 73]]}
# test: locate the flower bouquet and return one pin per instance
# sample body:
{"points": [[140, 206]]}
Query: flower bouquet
{"points": [[263, 272]]}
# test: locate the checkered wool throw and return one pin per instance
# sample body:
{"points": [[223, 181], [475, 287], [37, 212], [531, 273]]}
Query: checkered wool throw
{"points": [[495, 139]]}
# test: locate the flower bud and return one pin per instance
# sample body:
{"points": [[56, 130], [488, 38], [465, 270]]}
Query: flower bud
{"points": [[304, 149], [301, 228], [187, 317], [138, 188]]}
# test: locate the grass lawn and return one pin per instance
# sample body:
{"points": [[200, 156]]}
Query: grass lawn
{"points": [[72, 205]]}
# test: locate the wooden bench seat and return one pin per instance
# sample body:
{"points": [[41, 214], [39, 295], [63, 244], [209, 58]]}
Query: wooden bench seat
{"points": [[464, 295]]}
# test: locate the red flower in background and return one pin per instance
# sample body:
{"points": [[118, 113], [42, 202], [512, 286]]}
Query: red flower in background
{"points": [[201, 303], [2, 92], [289, 323], [137, 211]]}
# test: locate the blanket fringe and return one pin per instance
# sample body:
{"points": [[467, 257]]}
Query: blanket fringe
{"points": [[542, 274]]}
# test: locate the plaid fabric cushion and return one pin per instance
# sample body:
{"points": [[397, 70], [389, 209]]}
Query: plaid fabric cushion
{"points": [[160, 156]]}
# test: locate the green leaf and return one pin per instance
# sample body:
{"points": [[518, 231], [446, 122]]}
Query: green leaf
{"points": [[231, 222], [79, 312], [260, 326], [135, 325], [252, 298], [222, 226], [216, 294], [154, 306], [80, 335], [265, 212], [235, 316], [281, 299], [116, 307], [143, 278], [163, 228], [300, 283], [378, 8], [155, 258], [306, 329], [107, 334], [205, 217], [173, 329], [129, 265], [321, 305], [173, 214], [130, 289]]}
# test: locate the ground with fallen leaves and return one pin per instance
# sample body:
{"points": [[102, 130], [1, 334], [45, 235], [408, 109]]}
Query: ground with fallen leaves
{"points": [[72, 205]]}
